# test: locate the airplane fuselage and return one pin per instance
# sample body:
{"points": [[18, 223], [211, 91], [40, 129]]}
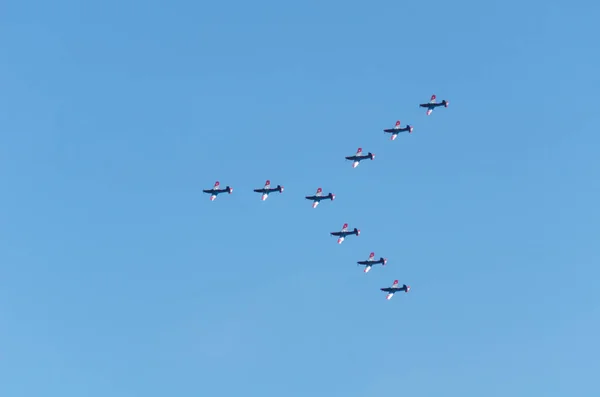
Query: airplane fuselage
{"points": [[371, 263], [343, 234], [393, 290], [433, 105], [318, 198], [358, 158], [396, 130], [216, 191], [267, 191]]}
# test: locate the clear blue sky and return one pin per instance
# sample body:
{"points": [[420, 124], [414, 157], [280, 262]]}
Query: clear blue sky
{"points": [[120, 278]]}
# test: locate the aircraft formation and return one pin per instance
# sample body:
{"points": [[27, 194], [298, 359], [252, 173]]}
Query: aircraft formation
{"points": [[320, 196]]}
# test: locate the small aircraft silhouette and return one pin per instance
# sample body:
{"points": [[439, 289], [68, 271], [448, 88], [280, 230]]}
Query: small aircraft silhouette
{"points": [[358, 157], [371, 261], [316, 198], [344, 233], [432, 104], [215, 191], [267, 189], [397, 129], [394, 288]]}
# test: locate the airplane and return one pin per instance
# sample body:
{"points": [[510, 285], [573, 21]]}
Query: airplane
{"points": [[371, 261], [397, 129], [316, 198], [432, 104], [358, 157], [267, 189], [394, 288], [344, 232], [216, 191]]}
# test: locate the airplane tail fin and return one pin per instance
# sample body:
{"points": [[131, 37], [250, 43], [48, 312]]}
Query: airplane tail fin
{"points": [[372, 156], [356, 231], [229, 189], [332, 196], [280, 188], [406, 288], [410, 129], [446, 103], [383, 261]]}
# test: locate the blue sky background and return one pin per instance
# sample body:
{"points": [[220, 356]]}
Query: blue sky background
{"points": [[120, 278]]}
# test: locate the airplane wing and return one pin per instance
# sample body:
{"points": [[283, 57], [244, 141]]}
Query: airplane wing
{"points": [[391, 290], [396, 127], [432, 100], [319, 192], [267, 185], [344, 230], [368, 261], [214, 188], [359, 152]]}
